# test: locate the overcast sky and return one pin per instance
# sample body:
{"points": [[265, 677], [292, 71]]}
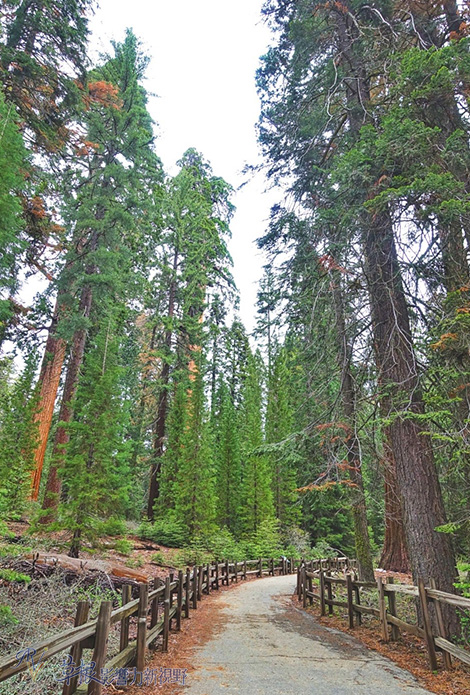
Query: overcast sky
{"points": [[204, 56]]}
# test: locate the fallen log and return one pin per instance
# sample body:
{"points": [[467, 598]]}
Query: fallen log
{"points": [[85, 577]]}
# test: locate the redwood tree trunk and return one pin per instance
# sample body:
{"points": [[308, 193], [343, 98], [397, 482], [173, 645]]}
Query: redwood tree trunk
{"points": [[431, 553], [394, 553], [49, 379]]}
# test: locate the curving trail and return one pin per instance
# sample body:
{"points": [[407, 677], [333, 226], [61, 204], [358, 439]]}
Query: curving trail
{"points": [[263, 645]]}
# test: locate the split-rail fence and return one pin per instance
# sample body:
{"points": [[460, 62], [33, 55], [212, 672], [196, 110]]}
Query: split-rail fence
{"points": [[431, 631], [158, 607]]}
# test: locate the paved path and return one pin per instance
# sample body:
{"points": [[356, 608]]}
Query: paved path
{"points": [[263, 645]]}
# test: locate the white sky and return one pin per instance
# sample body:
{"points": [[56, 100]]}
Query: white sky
{"points": [[204, 56]]}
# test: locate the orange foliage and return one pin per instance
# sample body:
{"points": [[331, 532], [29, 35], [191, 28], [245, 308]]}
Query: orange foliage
{"points": [[340, 7], [326, 486], [327, 262], [37, 207], [327, 425], [442, 343], [86, 148], [104, 94], [462, 31]]}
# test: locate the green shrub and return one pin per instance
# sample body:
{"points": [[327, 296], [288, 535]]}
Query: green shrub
{"points": [[194, 554], [6, 617], [321, 550], [135, 562], [168, 531], [13, 550], [223, 546], [123, 546], [265, 542], [113, 527], [158, 559], [12, 576]]}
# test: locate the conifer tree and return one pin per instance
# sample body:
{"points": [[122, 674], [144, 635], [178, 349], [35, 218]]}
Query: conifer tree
{"points": [[95, 471], [257, 498], [195, 488], [110, 213], [227, 446], [279, 427], [197, 213]]}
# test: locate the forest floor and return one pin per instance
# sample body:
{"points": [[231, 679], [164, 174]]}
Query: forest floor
{"points": [[142, 559]]}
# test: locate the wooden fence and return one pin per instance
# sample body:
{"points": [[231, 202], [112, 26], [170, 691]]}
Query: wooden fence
{"points": [[157, 607], [431, 631]]}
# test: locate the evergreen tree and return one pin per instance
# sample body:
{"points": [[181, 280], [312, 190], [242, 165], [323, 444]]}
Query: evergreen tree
{"points": [[227, 448], [17, 435], [109, 216], [95, 474], [197, 212], [257, 498], [13, 163], [278, 430]]}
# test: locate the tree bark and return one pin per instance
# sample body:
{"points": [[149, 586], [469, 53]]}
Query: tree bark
{"points": [[394, 553], [431, 553], [49, 379]]}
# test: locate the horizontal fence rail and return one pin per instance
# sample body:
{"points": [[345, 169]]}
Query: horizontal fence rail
{"points": [[325, 575], [160, 607]]}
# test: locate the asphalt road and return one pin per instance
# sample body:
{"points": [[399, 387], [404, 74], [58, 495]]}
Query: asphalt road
{"points": [[264, 645]]}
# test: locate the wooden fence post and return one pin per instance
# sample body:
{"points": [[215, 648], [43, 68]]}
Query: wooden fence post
{"points": [[260, 571], [217, 575], [187, 592], [382, 610], [208, 584], [244, 570], [350, 601], [166, 615], [142, 627], [429, 637], [236, 572], [172, 578], [199, 582], [322, 593], [441, 627], [358, 601], [271, 571], [392, 608], [154, 604], [310, 588], [81, 617], [227, 573], [304, 587], [329, 591], [179, 600], [124, 636], [194, 582], [101, 645]]}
